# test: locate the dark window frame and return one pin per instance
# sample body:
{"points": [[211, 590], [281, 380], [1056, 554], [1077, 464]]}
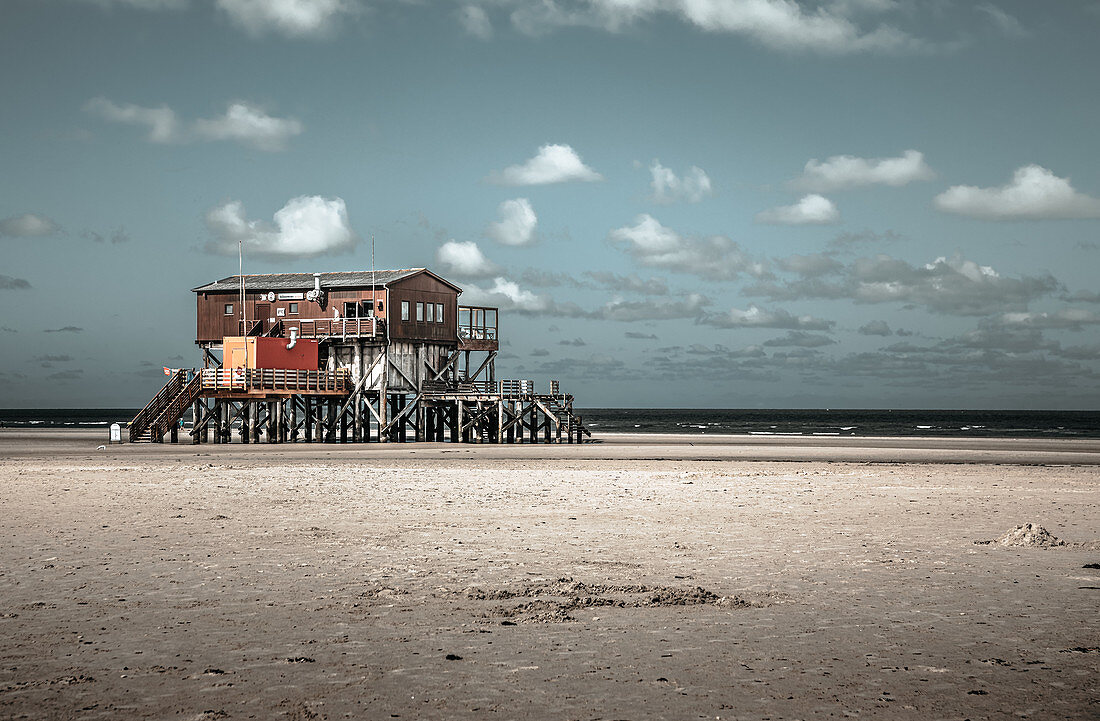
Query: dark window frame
{"points": [[419, 311], [438, 312], [228, 309], [405, 310]]}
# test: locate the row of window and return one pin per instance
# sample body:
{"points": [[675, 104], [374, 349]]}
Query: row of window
{"points": [[425, 312]]}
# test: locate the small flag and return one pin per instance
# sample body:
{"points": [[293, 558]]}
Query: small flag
{"points": [[167, 371]]}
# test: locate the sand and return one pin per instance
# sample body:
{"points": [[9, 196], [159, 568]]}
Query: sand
{"points": [[641, 578]]}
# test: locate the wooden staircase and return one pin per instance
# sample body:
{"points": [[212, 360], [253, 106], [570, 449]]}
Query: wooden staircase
{"points": [[166, 408]]}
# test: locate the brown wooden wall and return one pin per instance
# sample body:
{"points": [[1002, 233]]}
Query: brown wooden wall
{"points": [[423, 288], [212, 324]]}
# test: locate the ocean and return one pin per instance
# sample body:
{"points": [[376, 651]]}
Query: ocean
{"points": [[804, 422]]}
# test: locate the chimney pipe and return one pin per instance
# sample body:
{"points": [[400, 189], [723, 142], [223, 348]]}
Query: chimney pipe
{"points": [[293, 338]]}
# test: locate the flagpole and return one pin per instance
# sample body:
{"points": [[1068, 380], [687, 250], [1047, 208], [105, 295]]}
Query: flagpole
{"points": [[244, 314]]}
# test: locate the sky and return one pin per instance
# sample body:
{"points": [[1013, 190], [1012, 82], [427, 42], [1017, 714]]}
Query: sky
{"points": [[675, 203]]}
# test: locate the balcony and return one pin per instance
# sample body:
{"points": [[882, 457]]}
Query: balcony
{"points": [[320, 328], [477, 328]]}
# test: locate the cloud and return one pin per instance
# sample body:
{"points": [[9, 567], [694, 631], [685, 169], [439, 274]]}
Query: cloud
{"points": [[28, 225], [689, 306], [249, 125], [654, 245], [778, 24], [516, 225], [626, 283], [143, 4], [1070, 318], [810, 210], [639, 336], [841, 172], [292, 18], [161, 122], [306, 227], [755, 317], [669, 188], [551, 164], [8, 282], [875, 327], [507, 295], [810, 266], [1005, 23], [475, 21], [66, 329], [243, 123], [465, 259], [800, 339], [54, 358], [1034, 193], [69, 375], [118, 236], [575, 342], [953, 286], [540, 352]]}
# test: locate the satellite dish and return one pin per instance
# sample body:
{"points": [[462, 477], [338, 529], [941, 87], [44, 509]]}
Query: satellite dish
{"points": [[271, 296]]}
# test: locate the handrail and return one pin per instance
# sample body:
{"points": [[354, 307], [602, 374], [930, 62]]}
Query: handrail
{"points": [[322, 327], [152, 409], [278, 379]]}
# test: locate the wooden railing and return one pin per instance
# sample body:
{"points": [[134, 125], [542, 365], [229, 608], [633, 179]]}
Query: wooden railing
{"points": [[328, 327], [275, 379], [153, 408], [176, 407], [477, 322]]}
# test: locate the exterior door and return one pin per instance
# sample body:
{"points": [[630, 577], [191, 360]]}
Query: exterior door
{"points": [[263, 311]]}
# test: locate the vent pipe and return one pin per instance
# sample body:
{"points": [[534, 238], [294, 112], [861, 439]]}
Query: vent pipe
{"points": [[293, 338]]}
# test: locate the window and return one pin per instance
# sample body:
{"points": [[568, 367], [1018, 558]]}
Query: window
{"points": [[431, 313], [351, 309], [419, 312], [293, 309], [229, 309], [404, 310], [366, 309], [438, 312]]}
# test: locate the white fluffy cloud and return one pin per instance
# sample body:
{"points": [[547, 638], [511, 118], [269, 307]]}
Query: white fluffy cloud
{"points": [[551, 164], [954, 286], [506, 295], [241, 122], [841, 172], [516, 225], [715, 257], [306, 227], [756, 317], [810, 210], [464, 259], [28, 225], [1034, 193], [780, 24], [476, 21], [669, 187], [293, 18], [248, 125]]}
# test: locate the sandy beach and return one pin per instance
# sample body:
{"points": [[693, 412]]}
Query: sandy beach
{"points": [[644, 577]]}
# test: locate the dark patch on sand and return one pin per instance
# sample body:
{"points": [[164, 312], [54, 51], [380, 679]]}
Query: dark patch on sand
{"points": [[554, 602]]}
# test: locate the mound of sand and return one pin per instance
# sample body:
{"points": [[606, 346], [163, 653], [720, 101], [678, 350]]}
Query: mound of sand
{"points": [[1030, 535]]}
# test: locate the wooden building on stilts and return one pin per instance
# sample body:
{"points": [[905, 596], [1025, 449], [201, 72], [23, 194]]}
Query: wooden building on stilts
{"points": [[355, 357]]}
